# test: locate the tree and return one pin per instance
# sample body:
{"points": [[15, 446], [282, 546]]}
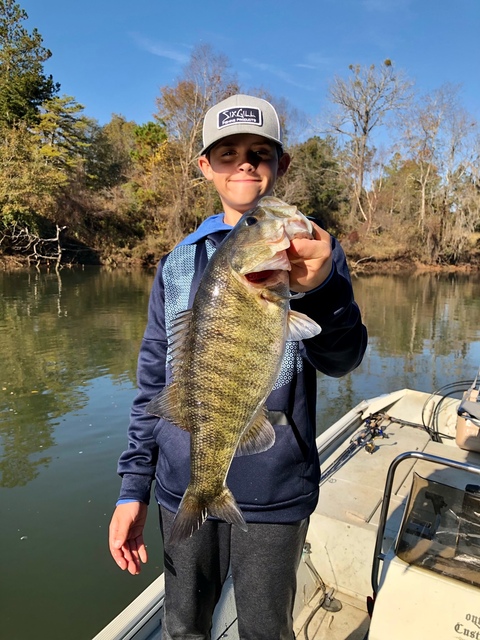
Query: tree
{"points": [[62, 131], [28, 183], [109, 156], [151, 164], [23, 85], [439, 136], [149, 140], [394, 198], [37, 162], [313, 181], [364, 100]]}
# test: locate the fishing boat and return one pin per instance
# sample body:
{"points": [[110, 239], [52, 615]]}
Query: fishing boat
{"points": [[393, 548]]}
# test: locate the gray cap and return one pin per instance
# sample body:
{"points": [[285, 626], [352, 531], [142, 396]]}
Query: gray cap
{"points": [[241, 114]]}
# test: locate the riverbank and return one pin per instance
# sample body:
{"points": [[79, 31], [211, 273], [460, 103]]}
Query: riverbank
{"points": [[409, 266], [360, 265], [365, 254]]}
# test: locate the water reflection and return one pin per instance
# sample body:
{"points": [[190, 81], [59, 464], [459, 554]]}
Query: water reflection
{"points": [[408, 315], [423, 334], [59, 331]]}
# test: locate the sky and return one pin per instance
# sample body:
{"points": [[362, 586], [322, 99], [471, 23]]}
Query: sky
{"points": [[113, 56]]}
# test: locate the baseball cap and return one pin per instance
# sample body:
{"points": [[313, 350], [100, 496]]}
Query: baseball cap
{"points": [[241, 114]]}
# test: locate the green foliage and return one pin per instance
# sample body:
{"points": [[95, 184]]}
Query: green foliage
{"points": [[61, 132], [42, 136], [149, 139], [23, 85], [109, 156], [314, 181], [28, 182], [37, 162]]}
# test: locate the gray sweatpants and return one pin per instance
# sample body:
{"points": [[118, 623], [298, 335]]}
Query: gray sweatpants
{"points": [[264, 562]]}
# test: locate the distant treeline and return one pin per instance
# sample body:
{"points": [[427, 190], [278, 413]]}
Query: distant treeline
{"points": [[72, 190]]}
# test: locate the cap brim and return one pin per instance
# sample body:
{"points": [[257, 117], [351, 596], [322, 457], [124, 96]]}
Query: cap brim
{"points": [[205, 150]]}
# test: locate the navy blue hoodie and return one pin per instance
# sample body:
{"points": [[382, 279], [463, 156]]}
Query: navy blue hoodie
{"points": [[278, 485]]}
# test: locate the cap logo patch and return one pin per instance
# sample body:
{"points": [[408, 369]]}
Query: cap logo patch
{"points": [[239, 115]]}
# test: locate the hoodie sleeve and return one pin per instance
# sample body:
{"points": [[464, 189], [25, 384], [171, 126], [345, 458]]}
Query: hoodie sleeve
{"points": [[340, 346], [137, 464]]}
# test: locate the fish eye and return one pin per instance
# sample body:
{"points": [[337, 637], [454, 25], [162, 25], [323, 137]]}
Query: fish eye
{"points": [[249, 220]]}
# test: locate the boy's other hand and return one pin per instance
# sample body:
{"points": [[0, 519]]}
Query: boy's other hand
{"points": [[311, 260], [126, 536]]}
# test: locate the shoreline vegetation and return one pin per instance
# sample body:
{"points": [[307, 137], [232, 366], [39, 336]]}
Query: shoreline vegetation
{"points": [[393, 174], [357, 265]]}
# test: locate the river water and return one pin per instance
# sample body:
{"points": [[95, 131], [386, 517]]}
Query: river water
{"points": [[69, 345]]}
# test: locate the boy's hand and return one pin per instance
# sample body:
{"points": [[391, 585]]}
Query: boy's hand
{"points": [[311, 260], [126, 536]]}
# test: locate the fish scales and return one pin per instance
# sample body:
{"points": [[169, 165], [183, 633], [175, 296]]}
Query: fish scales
{"points": [[220, 418], [227, 363], [227, 355]]}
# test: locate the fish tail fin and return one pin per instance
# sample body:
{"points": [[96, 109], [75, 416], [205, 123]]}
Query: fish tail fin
{"points": [[193, 512], [226, 508], [190, 516]]}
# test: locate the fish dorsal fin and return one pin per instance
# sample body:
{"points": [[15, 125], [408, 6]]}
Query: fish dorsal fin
{"points": [[180, 328], [166, 405], [259, 437], [300, 326]]}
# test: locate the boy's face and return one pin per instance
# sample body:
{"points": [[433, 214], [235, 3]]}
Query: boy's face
{"points": [[243, 167]]}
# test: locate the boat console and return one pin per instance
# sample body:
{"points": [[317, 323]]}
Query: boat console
{"points": [[429, 583]]}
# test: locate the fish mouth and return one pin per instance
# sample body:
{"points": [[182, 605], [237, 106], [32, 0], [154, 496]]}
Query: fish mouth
{"points": [[300, 234], [266, 279], [260, 277], [278, 262]]}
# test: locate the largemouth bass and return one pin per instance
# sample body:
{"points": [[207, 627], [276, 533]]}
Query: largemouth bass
{"points": [[226, 355]]}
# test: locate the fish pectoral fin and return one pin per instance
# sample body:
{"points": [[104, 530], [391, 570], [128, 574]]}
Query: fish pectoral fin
{"points": [[300, 326], [259, 437], [166, 405]]}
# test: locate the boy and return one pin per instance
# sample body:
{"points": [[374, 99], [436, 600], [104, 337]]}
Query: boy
{"points": [[276, 490]]}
